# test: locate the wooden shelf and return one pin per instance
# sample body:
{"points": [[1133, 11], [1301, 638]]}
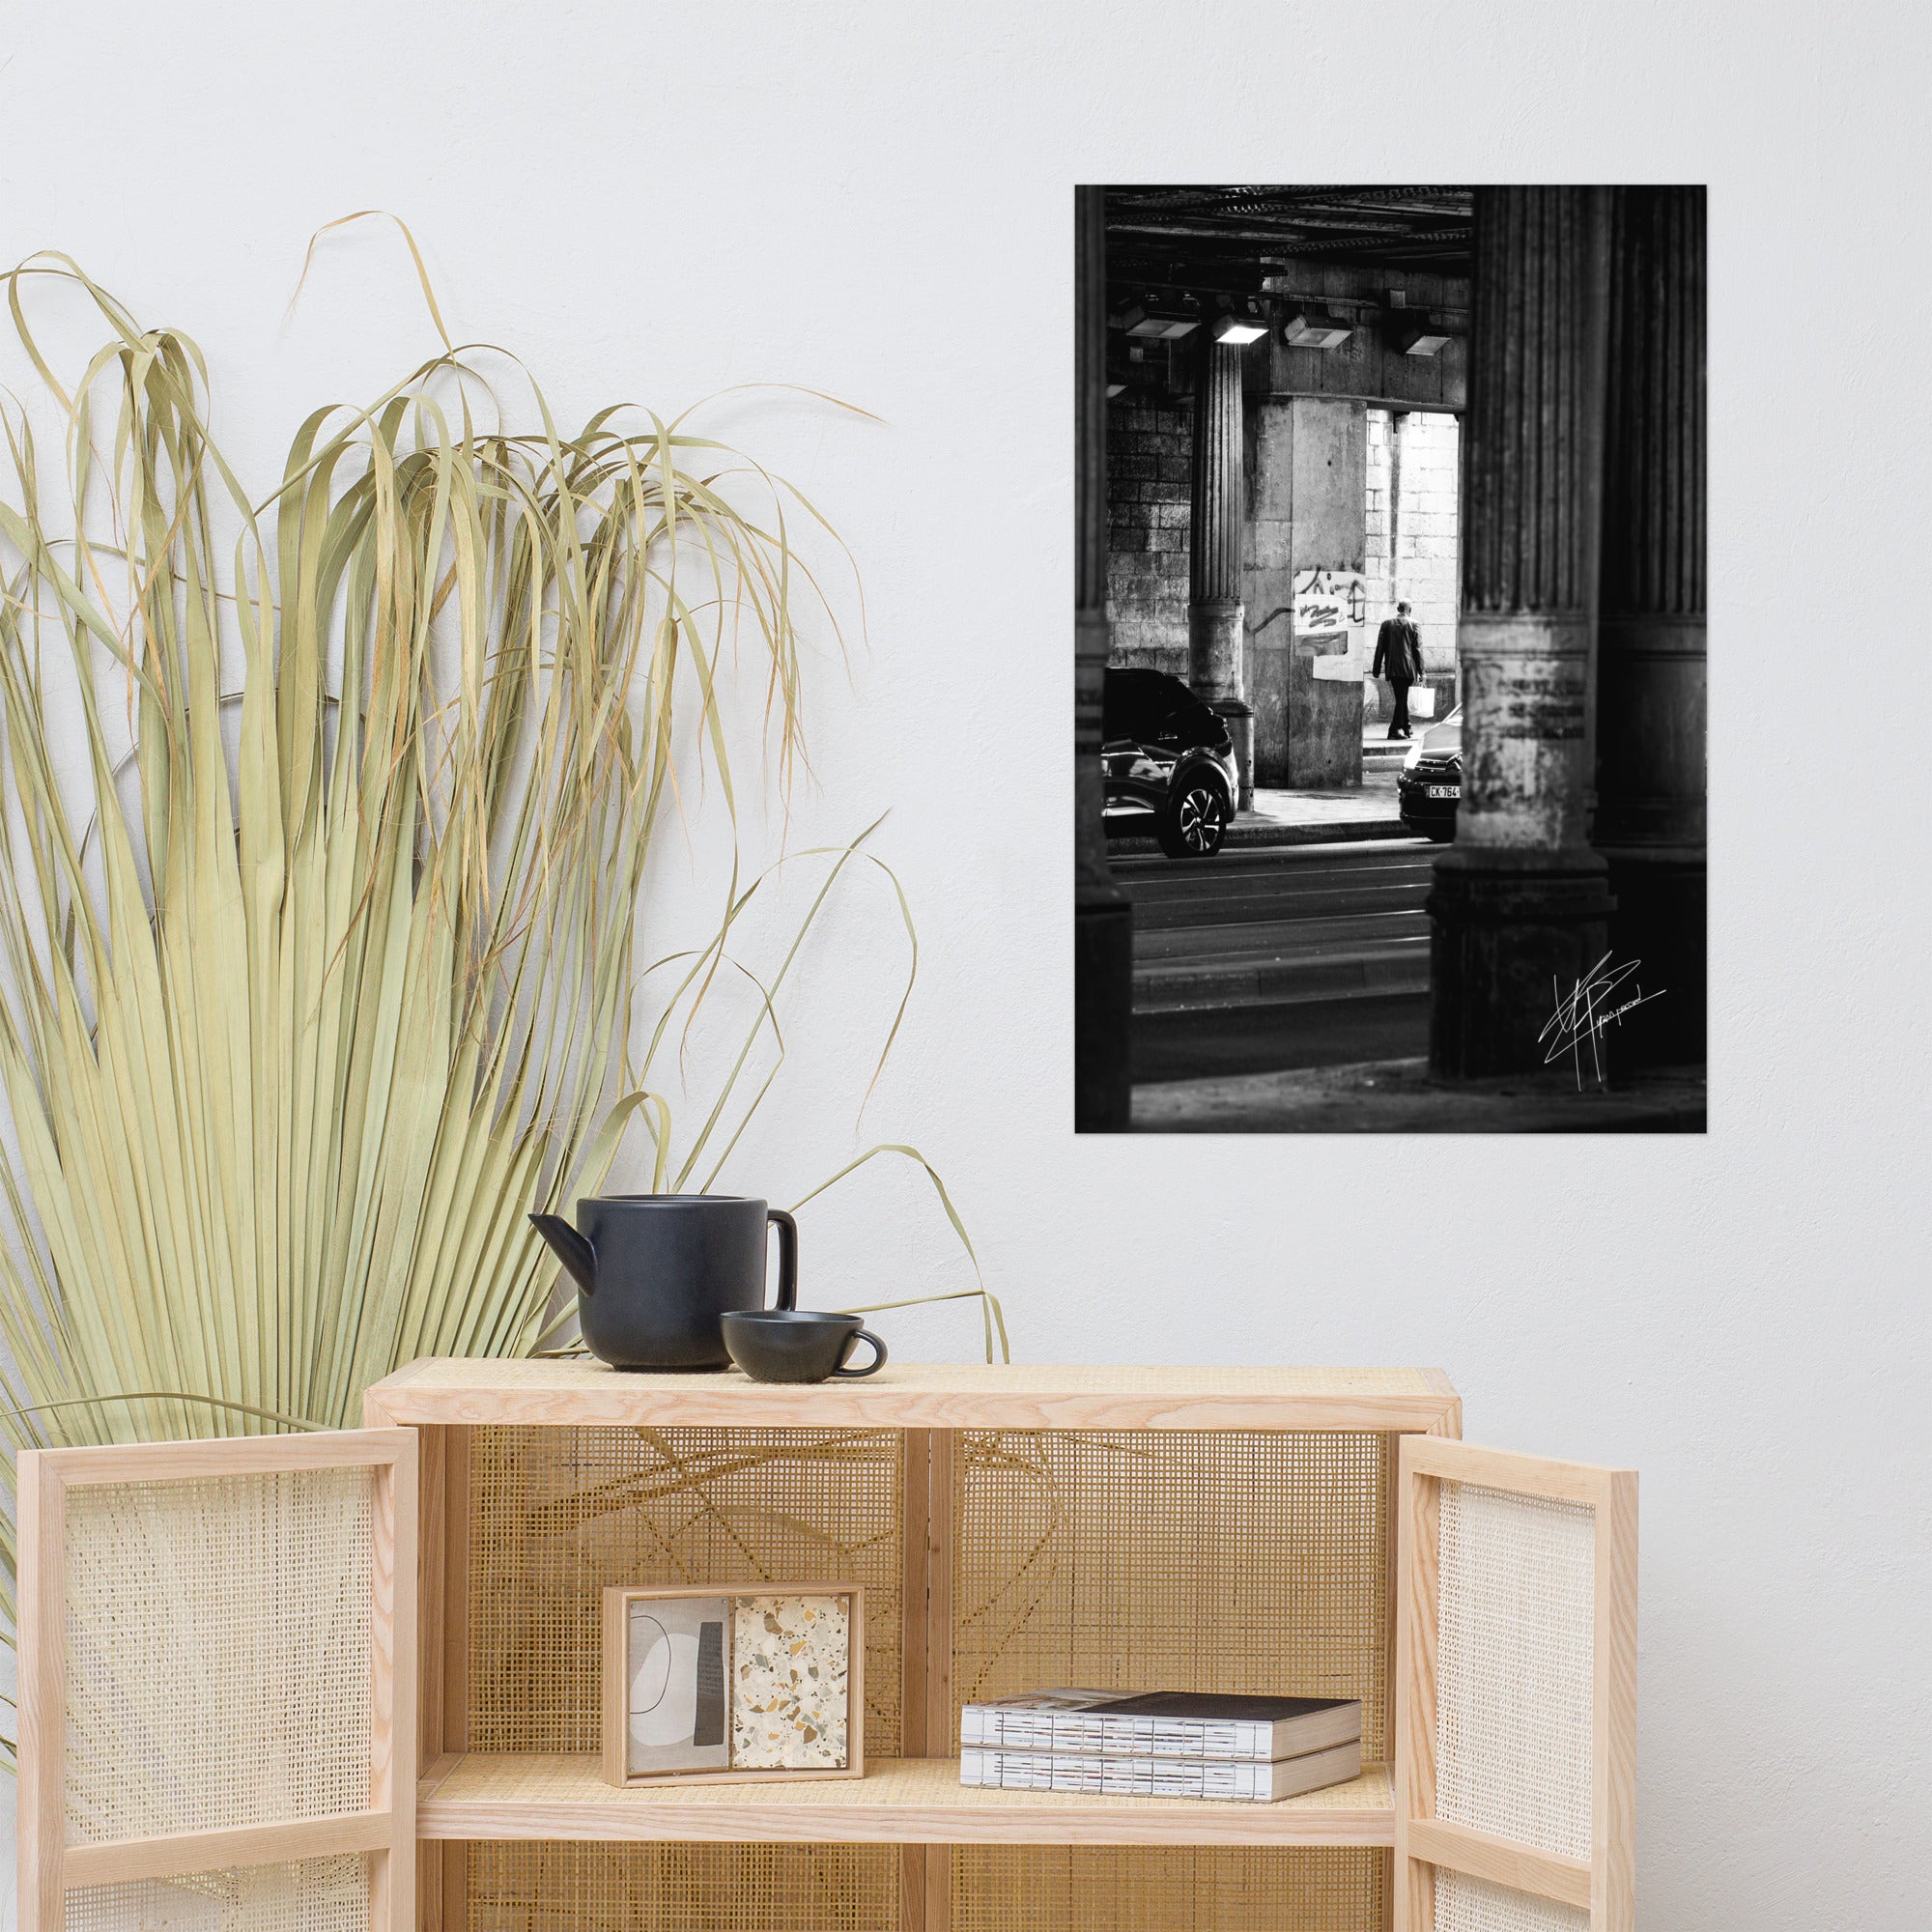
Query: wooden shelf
{"points": [[580, 1391], [898, 1802]]}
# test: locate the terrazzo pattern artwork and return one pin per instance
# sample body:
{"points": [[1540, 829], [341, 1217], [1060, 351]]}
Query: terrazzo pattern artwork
{"points": [[790, 1664]]}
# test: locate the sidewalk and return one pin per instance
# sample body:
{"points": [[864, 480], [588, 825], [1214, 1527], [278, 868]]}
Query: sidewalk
{"points": [[1321, 815], [1331, 813], [1397, 1096]]}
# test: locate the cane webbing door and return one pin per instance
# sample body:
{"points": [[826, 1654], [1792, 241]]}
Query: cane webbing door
{"points": [[1516, 1693], [218, 1689]]}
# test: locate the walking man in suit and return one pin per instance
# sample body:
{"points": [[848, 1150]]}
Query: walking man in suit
{"points": [[1398, 656]]}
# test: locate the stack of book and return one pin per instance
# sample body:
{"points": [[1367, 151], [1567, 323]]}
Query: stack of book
{"points": [[1164, 1744]]}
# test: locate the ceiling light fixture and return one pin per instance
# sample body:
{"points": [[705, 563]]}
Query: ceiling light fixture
{"points": [[1316, 329], [1157, 324], [1238, 330], [1425, 340]]}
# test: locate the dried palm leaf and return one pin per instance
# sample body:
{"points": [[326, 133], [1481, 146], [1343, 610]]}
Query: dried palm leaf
{"points": [[294, 1033]]}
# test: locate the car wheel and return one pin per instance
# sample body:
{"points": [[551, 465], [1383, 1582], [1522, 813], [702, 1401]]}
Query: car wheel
{"points": [[1196, 820]]}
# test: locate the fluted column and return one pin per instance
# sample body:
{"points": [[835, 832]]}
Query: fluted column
{"points": [[1214, 544], [1104, 935], [1520, 903], [1651, 709]]}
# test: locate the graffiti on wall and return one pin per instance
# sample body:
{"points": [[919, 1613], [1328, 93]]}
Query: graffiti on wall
{"points": [[1331, 611], [1330, 600]]}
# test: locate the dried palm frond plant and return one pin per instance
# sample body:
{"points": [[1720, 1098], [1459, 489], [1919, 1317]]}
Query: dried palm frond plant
{"points": [[318, 972]]}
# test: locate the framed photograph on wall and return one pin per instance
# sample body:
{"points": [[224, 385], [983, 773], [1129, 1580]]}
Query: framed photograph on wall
{"points": [[1390, 658], [752, 1685]]}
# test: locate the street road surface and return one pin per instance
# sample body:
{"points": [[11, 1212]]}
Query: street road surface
{"points": [[1267, 959]]}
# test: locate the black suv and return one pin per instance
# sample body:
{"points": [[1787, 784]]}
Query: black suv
{"points": [[1169, 765]]}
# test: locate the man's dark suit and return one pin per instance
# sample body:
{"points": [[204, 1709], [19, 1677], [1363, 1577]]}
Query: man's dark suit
{"points": [[1398, 656]]}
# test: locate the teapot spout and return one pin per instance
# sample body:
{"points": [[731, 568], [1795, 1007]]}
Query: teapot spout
{"points": [[570, 1248]]}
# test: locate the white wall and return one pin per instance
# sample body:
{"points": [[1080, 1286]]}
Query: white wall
{"points": [[873, 199], [1424, 573]]}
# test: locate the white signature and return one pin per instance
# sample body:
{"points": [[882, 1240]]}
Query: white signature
{"points": [[1588, 1011]]}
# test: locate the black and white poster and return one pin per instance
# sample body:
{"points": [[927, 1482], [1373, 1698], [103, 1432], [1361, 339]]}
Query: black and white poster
{"points": [[1391, 664]]}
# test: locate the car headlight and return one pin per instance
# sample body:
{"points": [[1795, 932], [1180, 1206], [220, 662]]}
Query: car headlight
{"points": [[1414, 759]]}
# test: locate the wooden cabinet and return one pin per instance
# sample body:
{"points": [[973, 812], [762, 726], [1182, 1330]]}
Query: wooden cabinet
{"points": [[1316, 1530], [217, 1694]]}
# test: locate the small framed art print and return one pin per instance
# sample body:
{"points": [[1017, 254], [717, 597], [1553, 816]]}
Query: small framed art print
{"points": [[751, 1684]]}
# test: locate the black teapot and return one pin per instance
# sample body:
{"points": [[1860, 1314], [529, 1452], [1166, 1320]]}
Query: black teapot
{"points": [[655, 1272]]}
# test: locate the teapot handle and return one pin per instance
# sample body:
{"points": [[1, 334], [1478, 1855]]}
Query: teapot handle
{"points": [[787, 1256]]}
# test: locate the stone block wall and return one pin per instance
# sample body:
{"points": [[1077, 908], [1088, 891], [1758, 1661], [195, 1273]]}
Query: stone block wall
{"points": [[1150, 447]]}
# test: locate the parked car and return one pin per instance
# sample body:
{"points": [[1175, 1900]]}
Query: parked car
{"points": [[1168, 765], [1430, 786]]}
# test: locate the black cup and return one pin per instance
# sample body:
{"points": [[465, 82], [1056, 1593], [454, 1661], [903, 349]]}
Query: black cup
{"points": [[790, 1344]]}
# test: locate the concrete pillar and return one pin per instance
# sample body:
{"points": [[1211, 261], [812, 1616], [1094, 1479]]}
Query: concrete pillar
{"points": [[1103, 930], [1521, 906], [1307, 480], [1267, 581], [1651, 708], [1216, 637]]}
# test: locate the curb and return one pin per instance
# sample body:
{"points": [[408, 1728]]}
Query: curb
{"points": [[1335, 833]]}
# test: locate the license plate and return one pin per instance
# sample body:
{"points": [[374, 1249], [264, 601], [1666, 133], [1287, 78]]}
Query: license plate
{"points": [[1445, 791]]}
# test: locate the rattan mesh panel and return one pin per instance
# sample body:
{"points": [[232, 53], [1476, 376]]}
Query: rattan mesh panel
{"points": [[1142, 1889], [313, 1896], [537, 1886], [1514, 1650], [217, 1652], [1174, 1560], [557, 1515], [1465, 1904]]}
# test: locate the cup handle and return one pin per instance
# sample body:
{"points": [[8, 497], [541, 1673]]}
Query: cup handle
{"points": [[787, 1256], [873, 1367]]}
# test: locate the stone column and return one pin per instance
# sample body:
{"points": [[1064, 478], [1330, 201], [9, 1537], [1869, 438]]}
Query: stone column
{"points": [[1216, 637], [1103, 927], [1651, 666], [1520, 905]]}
